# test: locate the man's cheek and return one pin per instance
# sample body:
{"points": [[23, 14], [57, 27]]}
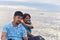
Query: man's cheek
{"points": [[18, 21]]}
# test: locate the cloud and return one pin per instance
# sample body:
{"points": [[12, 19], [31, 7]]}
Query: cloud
{"points": [[25, 9], [22, 8], [32, 5], [12, 0], [55, 2], [2, 7], [41, 8]]}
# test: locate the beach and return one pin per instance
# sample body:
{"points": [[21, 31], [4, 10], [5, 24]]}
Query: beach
{"points": [[46, 24]]}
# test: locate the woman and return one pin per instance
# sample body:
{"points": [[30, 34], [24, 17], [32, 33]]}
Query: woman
{"points": [[27, 24]]}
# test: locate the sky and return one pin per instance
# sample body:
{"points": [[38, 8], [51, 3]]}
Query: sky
{"points": [[39, 5]]}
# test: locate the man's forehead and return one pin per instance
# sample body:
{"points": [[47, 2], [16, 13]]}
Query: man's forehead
{"points": [[18, 16]]}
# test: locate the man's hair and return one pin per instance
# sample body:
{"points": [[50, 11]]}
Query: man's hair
{"points": [[18, 13], [25, 15]]}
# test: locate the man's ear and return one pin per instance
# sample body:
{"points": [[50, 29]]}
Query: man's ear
{"points": [[13, 17]]}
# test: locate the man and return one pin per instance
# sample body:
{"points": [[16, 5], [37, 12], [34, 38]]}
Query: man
{"points": [[15, 30]]}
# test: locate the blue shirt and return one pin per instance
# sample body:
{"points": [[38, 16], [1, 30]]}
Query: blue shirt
{"points": [[15, 33]]}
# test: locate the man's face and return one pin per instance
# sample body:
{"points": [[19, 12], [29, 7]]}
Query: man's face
{"points": [[18, 19]]}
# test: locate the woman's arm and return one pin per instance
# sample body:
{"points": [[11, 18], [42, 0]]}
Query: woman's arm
{"points": [[29, 34], [28, 25]]}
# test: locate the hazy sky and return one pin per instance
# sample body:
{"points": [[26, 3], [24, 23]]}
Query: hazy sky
{"points": [[44, 5]]}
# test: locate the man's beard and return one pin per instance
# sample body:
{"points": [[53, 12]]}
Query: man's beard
{"points": [[17, 23]]}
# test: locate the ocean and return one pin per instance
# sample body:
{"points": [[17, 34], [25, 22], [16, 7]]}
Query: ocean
{"points": [[46, 24]]}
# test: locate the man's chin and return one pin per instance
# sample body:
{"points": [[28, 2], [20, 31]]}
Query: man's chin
{"points": [[17, 23]]}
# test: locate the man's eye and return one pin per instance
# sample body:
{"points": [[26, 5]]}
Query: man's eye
{"points": [[18, 17]]}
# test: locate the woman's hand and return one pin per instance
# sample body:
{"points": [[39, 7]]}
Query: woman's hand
{"points": [[22, 22]]}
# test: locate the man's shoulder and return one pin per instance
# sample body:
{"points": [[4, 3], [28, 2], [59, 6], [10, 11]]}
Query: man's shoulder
{"points": [[21, 26], [7, 25]]}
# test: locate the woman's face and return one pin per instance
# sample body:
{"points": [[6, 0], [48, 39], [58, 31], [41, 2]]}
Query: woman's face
{"points": [[27, 19]]}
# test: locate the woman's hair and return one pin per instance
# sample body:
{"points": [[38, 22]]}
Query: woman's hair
{"points": [[25, 15]]}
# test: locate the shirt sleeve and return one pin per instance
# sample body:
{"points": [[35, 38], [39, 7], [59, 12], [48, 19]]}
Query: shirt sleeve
{"points": [[24, 32], [4, 29]]}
